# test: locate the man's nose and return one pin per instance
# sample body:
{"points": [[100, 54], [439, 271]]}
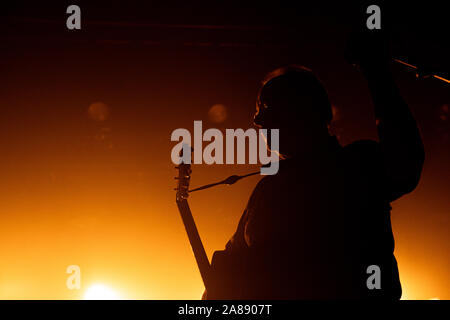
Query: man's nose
{"points": [[257, 119], [261, 117]]}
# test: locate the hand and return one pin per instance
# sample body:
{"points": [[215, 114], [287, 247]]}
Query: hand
{"points": [[368, 49]]}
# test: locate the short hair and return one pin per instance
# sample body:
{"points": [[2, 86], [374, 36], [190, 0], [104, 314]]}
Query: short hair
{"points": [[294, 85]]}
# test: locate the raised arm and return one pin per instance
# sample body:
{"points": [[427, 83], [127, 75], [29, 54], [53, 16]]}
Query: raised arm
{"points": [[401, 145]]}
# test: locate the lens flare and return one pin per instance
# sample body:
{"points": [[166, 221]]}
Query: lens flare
{"points": [[100, 292]]}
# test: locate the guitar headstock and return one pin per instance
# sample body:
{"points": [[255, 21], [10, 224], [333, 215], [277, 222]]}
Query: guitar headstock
{"points": [[184, 177]]}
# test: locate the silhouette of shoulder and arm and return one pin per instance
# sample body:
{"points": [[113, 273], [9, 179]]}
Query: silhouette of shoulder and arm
{"points": [[312, 230], [400, 145]]}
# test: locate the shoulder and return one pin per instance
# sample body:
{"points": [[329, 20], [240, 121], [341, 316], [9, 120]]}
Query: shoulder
{"points": [[365, 156], [362, 148], [363, 151], [262, 190], [263, 184]]}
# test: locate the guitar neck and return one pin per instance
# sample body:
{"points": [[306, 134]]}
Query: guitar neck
{"points": [[195, 241]]}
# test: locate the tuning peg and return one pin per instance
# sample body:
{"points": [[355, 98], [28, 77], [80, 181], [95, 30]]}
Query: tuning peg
{"points": [[176, 178]]}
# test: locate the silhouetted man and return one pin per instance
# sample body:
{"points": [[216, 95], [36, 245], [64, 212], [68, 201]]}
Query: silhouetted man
{"points": [[312, 230]]}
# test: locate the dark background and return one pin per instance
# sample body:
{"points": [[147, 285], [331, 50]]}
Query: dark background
{"points": [[107, 182]]}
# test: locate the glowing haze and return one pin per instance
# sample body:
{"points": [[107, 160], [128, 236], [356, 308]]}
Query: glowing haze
{"points": [[85, 169]]}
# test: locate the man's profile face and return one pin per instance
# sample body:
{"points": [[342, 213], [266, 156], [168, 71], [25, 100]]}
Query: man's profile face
{"points": [[300, 127], [291, 118], [262, 117]]}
